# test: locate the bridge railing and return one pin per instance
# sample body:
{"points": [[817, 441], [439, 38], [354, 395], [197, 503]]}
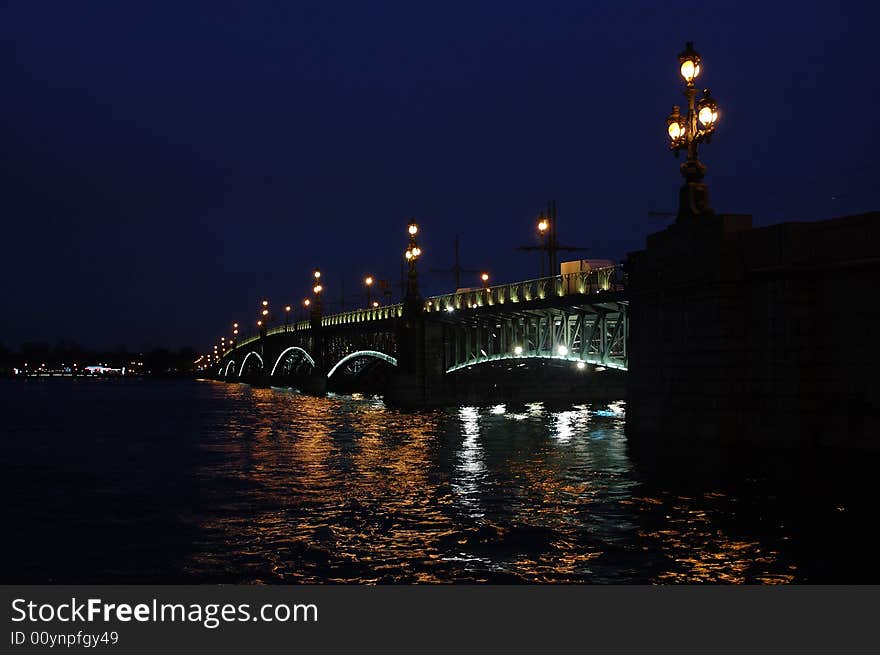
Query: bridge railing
{"points": [[362, 315], [586, 282], [246, 340]]}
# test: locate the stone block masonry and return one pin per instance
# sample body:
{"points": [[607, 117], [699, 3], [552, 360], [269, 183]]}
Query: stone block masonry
{"points": [[768, 335]]}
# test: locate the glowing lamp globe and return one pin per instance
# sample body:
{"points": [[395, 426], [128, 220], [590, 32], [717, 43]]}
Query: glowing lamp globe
{"points": [[689, 61]]}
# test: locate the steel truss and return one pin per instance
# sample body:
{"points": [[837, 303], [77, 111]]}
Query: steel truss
{"points": [[594, 334]]}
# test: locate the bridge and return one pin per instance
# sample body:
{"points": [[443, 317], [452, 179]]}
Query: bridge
{"points": [[415, 351]]}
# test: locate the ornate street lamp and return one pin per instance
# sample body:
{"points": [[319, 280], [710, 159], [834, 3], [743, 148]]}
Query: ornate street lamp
{"points": [[317, 289], [413, 301], [685, 132], [263, 322]]}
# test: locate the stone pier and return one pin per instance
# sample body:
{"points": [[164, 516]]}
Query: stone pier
{"points": [[768, 335]]}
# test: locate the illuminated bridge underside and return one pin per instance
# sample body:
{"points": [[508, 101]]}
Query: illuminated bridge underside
{"points": [[374, 354], [593, 334], [245, 361], [292, 349]]}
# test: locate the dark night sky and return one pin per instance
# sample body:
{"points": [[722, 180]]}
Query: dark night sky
{"points": [[166, 166]]}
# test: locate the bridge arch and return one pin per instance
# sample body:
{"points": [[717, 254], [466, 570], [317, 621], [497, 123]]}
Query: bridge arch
{"points": [[246, 357], [362, 353], [590, 359], [231, 365], [308, 357]]}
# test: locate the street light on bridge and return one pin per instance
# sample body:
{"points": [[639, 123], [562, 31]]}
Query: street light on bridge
{"points": [[685, 132], [287, 309], [368, 281], [543, 230], [263, 321], [412, 302], [317, 289]]}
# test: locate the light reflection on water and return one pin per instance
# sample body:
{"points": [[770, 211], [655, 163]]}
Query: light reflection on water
{"points": [[342, 489], [180, 482]]}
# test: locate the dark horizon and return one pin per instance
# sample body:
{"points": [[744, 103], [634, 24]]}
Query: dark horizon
{"points": [[169, 166]]}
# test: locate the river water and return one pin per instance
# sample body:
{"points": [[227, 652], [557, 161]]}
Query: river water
{"points": [[117, 481]]}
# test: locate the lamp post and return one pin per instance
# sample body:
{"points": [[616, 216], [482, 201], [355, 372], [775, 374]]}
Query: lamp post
{"points": [[234, 334], [413, 301], [263, 322], [543, 233], [368, 282], [287, 317], [317, 289], [685, 132]]}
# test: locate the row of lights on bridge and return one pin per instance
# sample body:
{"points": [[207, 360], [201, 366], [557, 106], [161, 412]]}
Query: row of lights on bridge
{"points": [[411, 255]]}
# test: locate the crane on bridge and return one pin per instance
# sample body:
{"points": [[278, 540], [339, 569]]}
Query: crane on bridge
{"points": [[548, 233], [456, 269]]}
